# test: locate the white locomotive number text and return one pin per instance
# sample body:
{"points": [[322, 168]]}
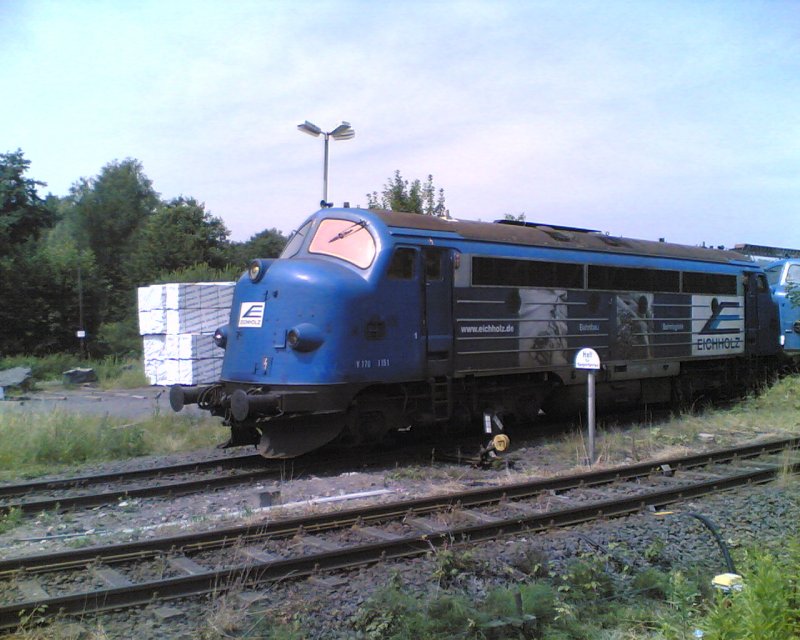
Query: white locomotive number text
{"points": [[369, 364]]}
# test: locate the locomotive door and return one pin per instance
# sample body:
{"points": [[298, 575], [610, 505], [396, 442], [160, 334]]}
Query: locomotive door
{"points": [[760, 316], [438, 283]]}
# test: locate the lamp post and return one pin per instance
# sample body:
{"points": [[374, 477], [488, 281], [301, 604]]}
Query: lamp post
{"points": [[343, 132]]}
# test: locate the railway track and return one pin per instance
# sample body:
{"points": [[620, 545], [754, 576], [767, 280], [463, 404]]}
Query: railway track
{"points": [[110, 577], [93, 490], [86, 491]]}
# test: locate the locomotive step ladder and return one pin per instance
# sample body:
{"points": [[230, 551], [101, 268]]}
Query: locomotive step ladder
{"points": [[441, 397]]}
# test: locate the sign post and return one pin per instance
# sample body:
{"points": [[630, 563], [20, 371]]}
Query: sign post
{"points": [[588, 360]]}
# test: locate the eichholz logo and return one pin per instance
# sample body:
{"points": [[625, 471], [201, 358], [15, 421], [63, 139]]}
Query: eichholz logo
{"points": [[717, 325], [251, 314], [724, 318]]}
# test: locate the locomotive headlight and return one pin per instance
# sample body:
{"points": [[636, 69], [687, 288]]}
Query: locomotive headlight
{"points": [[257, 269], [304, 337], [221, 337]]}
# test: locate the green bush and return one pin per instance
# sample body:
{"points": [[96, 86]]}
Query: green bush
{"points": [[538, 599], [767, 608], [118, 339], [587, 578], [120, 373], [43, 368], [201, 272], [651, 583], [451, 565], [390, 614], [111, 371]]}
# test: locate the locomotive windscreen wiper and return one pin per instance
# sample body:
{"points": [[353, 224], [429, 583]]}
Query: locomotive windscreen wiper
{"points": [[351, 229]]}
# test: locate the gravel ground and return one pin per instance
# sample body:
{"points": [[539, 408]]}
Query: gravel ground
{"points": [[326, 605]]}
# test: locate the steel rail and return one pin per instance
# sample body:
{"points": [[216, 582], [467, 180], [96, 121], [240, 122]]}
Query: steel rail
{"points": [[359, 555], [56, 484], [312, 462], [175, 488], [228, 536]]}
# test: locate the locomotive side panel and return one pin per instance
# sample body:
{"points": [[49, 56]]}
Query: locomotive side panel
{"points": [[502, 329]]}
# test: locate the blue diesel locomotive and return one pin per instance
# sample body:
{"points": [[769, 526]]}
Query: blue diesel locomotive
{"points": [[375, 321], [784, 276]]}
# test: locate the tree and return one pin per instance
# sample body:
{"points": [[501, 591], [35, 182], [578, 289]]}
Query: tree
{"points": [[413, 197], [23, 214], [29, 309], [180, 233], [108, 211], [266, 244]]}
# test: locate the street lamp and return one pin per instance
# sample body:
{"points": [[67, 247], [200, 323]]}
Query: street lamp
{"points": [[343, 132]]}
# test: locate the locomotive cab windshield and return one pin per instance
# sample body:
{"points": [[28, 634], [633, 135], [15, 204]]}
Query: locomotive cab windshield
{"points": [[347, 240], [344, 239]]}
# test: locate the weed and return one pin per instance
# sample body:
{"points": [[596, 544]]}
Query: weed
{"points": [[533, 562], [410, 472], [11, 519], [678, 621], [651, 583], [766, 608], [389, 614], [654, 553], [452, 565], [538, 599], [587, 578], [227, 616]]}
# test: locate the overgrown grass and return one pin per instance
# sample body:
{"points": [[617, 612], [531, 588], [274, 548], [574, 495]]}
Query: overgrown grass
{"points": [[33, 444], [768, 607], [585, 602], [112, 372], [774, 411]]}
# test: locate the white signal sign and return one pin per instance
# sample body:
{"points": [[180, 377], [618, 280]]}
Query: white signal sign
{"points": [[587, 359]]}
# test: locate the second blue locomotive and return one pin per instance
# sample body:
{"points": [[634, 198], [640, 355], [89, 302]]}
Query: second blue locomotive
{"points": [[374, 321]]}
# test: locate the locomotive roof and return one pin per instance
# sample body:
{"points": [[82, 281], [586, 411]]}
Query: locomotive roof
{"points": [[556, 237]]}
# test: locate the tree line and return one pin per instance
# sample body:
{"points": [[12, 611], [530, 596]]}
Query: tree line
{"points": [[74, 262]]}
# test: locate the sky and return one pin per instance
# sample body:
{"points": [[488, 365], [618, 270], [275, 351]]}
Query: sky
{"points": [[648, 119]]}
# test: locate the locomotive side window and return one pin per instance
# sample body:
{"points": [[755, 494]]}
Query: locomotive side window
{"points": [[629, 279], [433, 264], [402, 265], [296, 241], [774, 274], [344, 239], [506, 272], [793, 274], [694, 282]]}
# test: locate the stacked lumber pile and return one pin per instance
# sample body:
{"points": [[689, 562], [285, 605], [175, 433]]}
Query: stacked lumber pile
{"points": [[177, 322]]}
